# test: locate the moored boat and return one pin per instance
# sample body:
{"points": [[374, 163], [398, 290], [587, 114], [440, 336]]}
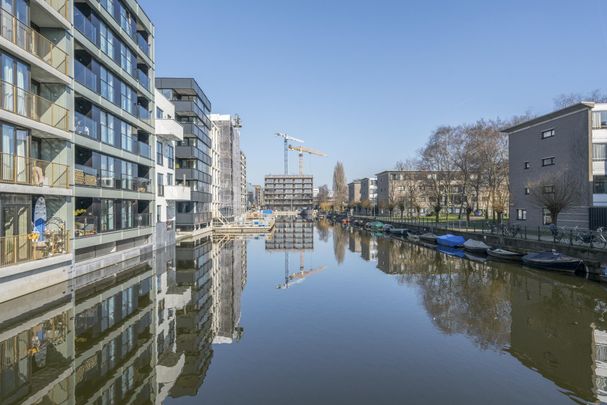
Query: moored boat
{"points": [[475, 257], [398, 231], [375, 225], [553, 261], [428, 237], [413, 237], [476, 246], [504, 254], [450, 240]]}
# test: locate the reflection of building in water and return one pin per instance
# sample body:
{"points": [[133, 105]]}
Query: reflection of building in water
{"points": [[355, 245], [391, 259], [194, 333], [599, 345], [368, 246], [36, 347], [291, 233], [114, 326], [232, 279]]}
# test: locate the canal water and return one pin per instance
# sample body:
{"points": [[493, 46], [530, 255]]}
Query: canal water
{"points": [[313, 314]]}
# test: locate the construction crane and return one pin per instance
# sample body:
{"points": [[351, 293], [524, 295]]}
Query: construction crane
{"points": [[287, 138], [302, 150]]}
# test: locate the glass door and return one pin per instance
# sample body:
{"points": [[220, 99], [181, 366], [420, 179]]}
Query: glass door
{"points": [[8, 153], [15, 227], [8, 78], [21, 156]]}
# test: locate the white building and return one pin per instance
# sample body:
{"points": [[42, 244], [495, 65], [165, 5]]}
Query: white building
{"points": [[215, 165], [168, 188]]}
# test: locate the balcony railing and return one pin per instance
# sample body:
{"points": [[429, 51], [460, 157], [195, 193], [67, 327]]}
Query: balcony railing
{"points": [[89, 225], [143, 44], [33, 42], [85, 26], [86, 176], [143, 113], [144, 150], [33, 172], [85, 225], [143, 79], [29, 105], [61, 6], [85, 76], [92, 177], [28, 247], [86, 126]]}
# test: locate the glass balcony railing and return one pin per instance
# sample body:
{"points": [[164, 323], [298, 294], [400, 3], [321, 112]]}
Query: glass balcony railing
{"points": [[145, 150], [142, 43], [85, 225], [86, 126], [85, 26], [141, 185], [32, 106], [143, 79], [33, 246], [86, 176], [33, 172], [61, 6], [85, 76], [33, 42], [143, 113], [143, 220]]}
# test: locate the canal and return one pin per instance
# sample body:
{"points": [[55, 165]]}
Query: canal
{"points": [[313, 314]]}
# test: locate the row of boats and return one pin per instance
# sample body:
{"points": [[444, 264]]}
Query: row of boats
{"points": [[457, 246]]}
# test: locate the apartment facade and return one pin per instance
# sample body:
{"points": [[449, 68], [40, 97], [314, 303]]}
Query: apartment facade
{"points": [[193, 153], [569, 143], [368, 190], [244, 192], [354, 188], [288, 192]]}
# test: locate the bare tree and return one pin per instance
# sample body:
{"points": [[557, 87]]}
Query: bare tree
{"points": [[412, 186], [565, 100], [340, 186], [555, 192], [323, 194]]}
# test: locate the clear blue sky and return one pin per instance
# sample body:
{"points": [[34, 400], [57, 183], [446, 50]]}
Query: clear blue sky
{"points": [[366, 82]]}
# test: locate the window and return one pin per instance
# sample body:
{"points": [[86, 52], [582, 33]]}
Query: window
{"points": [[599, 151], [159, 113], [599, 119], [521, 215], [548, 133], [527, 191], [107, 40], [599, 184], [126, 137], [548, 190], [527, 165], [107, 127], [107, 215], [546, 217], [170, 156], [160, 184], [548, 161], [169, 179], [159, 153], [158, 213]]}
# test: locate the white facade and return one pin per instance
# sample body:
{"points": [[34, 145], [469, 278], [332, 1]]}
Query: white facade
{"points": [[215, 170], [168, 188]]}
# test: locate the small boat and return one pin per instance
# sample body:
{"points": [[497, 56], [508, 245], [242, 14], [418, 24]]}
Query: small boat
{"points": [[413, 237], [553, 261], [399, 231], [503, 254], [451, 251], [375, 225], [387, 228], [428, 237], [450, 240], [475, 246]]}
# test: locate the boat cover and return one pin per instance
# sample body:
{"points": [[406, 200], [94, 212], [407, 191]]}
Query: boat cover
{"points": [[450, 240]]}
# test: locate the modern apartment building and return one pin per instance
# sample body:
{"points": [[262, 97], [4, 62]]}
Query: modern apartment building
{"points": [[354, 188], [113, 132], [570, 144], [193, 153], [36, 151], [215, 165], [243, 184], [368, 190], [258, 199], [230, 165], [169, 190], [288, 192]]}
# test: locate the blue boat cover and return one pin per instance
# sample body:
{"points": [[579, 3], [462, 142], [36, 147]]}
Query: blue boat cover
{"points": [[450, 240]]}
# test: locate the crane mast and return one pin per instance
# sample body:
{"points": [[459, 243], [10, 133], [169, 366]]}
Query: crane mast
{"points": [[286, 139]]}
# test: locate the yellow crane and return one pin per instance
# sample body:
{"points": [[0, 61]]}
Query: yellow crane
{"points": [[301, 150]]}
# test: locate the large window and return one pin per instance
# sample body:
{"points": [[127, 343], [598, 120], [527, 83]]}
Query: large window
{"points": [[160, 184], [599, 119], [170, 156], [599, 151], [107, 215], [106, 40], [599, 184], [107, 127], [107, 84], [126, 136]]}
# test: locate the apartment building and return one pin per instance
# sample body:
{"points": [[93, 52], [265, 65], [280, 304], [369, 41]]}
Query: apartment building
{"points": [[36, 151], [288, 192], [368, 190], [230, 165], [215, 165], [169, 190], [570, 144], [244, 193], [258, 198], [354, 188], [193, 153]]}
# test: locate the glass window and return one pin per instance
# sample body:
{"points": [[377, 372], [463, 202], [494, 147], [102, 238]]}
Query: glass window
{"points": [[107, 127], [107, 40], [599, 151], [107, 84], [107, 215], [126, 137], [548, 161], [170, 156], [160, 184], [548, 133], [527, 165], [521, 215], [548, 190], [599, 119], [546, 217], [159, 113], [169, 179], [599, 184], [159, 153]]}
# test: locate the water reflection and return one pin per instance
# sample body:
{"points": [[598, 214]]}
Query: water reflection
{"points": [[551, 323]]}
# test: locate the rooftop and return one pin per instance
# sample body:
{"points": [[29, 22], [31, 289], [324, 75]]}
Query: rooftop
{"points": [[584, 105]]}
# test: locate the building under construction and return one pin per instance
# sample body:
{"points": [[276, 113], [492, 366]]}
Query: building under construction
{"points": [[288, 192]]}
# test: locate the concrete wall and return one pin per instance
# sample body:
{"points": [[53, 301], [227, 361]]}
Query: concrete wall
{"points": [[571, 147]]}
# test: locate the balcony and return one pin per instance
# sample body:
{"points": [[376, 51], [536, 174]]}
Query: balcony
{"points": [[143, 114], [32, 106], [169, 129], [178, 193], [142, 43], [92, 177], [144, 150], [33, 42], [85, 225], [90, 225], [33, 172], [143, 79], [85, 26], [85, 76], [61, 6], [86, 126], [33, 246]]}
